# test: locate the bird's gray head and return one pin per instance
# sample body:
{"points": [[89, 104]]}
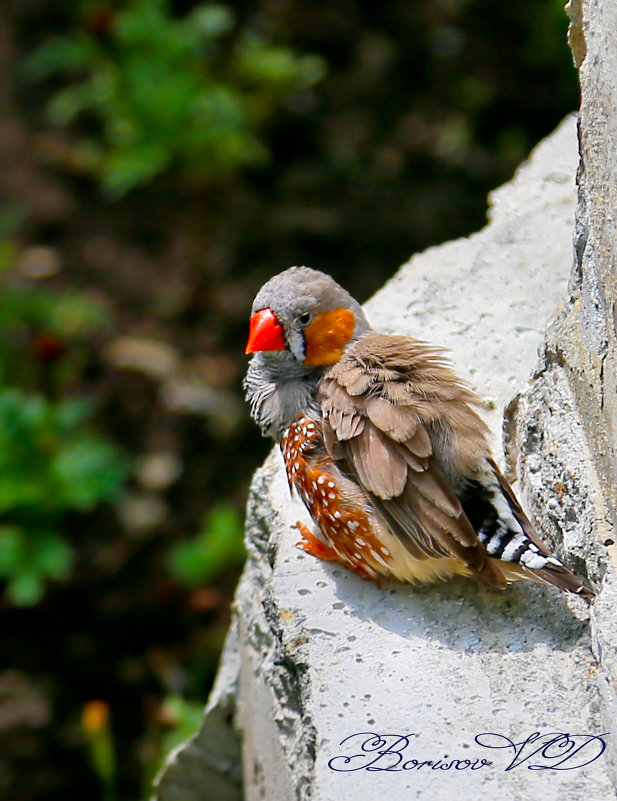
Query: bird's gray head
{"points": [[306, 313], [301, 323]]}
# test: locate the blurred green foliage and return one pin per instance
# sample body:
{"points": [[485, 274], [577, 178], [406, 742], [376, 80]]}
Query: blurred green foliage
{"points": [[97, 730], [52, 460], [195, 92], [178, 719], [44, 335], [184, 717], [218, 547]]}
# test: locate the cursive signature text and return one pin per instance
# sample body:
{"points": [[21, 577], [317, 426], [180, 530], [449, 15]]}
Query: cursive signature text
{"points": [[549, 751], [369, 751], [384, 752]]}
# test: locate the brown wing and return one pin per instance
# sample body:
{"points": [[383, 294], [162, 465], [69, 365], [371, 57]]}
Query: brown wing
{"points": [[401, 422]]}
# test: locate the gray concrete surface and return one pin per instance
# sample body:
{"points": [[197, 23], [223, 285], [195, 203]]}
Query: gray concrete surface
{"points": [[319, 656], [564, 425]]}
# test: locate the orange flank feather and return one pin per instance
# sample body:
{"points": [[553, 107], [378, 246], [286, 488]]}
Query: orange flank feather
{"points": [[334, 503], [327, 336]]}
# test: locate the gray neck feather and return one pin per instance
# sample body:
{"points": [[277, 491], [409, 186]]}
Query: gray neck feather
{"points": [[278, 388]]}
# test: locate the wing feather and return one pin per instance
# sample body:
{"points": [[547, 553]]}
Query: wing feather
{"points": [[398, 422], [382, 410], [381, 468], [420, 443]]}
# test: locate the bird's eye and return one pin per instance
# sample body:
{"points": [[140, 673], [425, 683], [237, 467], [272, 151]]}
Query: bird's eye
{"points": [[305, 318]]}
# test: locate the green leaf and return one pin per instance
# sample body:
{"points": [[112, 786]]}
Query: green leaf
{"points": [[11, 549], [211, 21], [218, 547], [73, 314], [68, 103], [87, 470], [50, 463], [28, 557], [186, 717], [71, 413], [125, 171], [52, 556], [25, 589], [59, 55]]}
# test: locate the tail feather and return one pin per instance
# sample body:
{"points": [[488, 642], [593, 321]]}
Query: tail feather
{"points": [[509, 537]]}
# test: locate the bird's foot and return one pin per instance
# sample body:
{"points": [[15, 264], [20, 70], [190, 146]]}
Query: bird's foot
{"points": [[313, 545]]}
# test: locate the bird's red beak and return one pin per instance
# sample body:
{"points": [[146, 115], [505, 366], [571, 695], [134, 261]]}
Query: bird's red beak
{"points": [[266, 333]]}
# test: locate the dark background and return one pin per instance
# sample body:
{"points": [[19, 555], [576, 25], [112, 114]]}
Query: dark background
{"points": [[424, 106]]}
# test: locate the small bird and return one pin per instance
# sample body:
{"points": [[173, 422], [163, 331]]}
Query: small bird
{"points": [[382, 442]]}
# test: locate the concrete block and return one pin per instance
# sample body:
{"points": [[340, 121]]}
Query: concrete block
{"points": [[329, 670]]}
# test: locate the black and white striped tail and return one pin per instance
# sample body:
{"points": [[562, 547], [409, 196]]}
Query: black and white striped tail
{"points": [[505, 530]]}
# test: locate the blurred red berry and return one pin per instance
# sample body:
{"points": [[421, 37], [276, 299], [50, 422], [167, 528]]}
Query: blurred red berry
{"points": [[47, 347], [100, 20]]}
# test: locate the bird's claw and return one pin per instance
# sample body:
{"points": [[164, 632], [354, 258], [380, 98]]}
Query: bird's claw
{"points": [[313, 545]]}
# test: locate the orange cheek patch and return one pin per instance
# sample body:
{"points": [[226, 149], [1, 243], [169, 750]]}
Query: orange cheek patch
{"points": [[327, 335]]}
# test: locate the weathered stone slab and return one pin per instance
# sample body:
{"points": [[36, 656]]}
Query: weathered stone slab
{"points": [[564, 425], [324, 656]]}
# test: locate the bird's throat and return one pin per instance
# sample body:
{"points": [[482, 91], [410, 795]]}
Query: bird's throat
{"points": [[278, 388]]}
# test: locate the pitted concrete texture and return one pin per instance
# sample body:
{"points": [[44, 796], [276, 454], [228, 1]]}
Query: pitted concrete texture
{"points": [[332, 671], [564, 425]]}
